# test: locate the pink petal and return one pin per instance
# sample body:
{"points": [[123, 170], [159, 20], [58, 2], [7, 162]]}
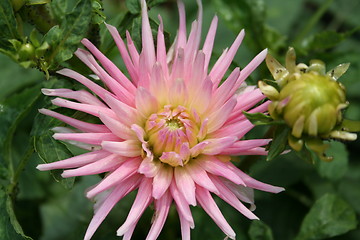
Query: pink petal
{"points": [[178, 93], [185, 185], [201, 99], [227, 195], [126, 170], [238, 129], [109, 66], [181, 37], [147, 38], [122, 93], [252, 183], [145, 103], [161, 48], [80, 96], [219, 70], [127, 148], [251, 67], [219, 117], [218, 168], [123, 51], [104, 165], [162, 181], [209, 42], [114, 197], [101, 92], [87, 108], [116, 127], [200, 177], [126, 113], [181, 203], [226, 90], [244, 145], [83, 126], [216, 145], [132, 51], [158, 87], [162, 207], [89, 138], [210, 207], [149, 168], [141, 202], [74, 162]]}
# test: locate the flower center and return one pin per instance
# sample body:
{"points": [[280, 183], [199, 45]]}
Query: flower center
{"points": [[171, 132]]}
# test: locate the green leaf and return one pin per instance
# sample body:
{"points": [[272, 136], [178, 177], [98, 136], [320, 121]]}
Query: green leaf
{"points": [[260, 231], [64, 39], [133, 6], [49, 149], [250, 15], [326, 39], [8, 26], [261, 119], [8, 231], [337, 168], [279, 142], [330, 216], [13, 111]]}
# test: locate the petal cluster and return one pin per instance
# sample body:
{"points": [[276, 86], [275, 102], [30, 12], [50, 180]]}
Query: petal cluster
{"points": [[168, 127]]}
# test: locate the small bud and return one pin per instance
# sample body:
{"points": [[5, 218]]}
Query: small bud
{"points": [[309, 100], [26, 52]]}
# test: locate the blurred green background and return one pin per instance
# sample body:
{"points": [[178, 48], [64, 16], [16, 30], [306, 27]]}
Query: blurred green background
{"points": [[321, 201]]}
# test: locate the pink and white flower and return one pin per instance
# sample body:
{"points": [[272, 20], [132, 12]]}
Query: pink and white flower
{"points": [[168, 129]]}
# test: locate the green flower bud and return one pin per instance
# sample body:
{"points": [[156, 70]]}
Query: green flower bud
{"points": [[309, 100], [26, 52]]}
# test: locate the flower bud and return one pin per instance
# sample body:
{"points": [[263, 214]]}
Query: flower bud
{"points": [[309, 100]]}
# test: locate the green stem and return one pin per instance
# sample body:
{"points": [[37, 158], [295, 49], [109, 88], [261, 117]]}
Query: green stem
{"points": [[20, 167], [312, 21]]}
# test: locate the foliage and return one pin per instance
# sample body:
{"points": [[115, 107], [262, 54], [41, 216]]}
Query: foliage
{"points": [[40, 37]]}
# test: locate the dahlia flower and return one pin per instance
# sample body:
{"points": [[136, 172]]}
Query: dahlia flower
{"points": [[169, 129]]}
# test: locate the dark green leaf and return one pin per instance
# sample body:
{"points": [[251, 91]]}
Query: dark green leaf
{"points": [[8, 26], [279, 142], [260, 231], [65, 39], [250, 15], [330, 216], [261, 119], [9, 227], [337, 168], [133, 6], [13, 111], [49, 149], [326, 39]]}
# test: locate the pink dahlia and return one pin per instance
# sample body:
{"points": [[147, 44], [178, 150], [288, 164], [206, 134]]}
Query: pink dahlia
{"points": [[169, 130]]}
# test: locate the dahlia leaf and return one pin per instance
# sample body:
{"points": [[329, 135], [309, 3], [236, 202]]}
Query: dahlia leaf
{"points": [[133, 6], [261, 119], [337, 168], [279, 142], [330, 216], [9, 226], [13, 111], [8, 24], [260, 231], [326, 39], [250, 15], [48, 148], [64, 39]]}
